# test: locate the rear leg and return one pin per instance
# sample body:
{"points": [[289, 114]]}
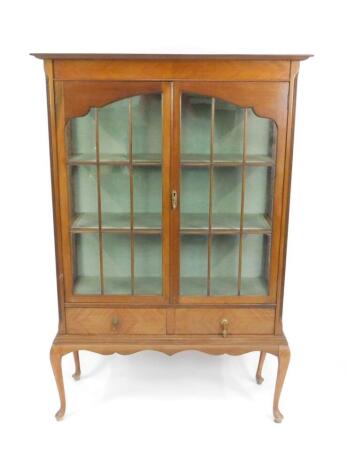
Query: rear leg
{"points": [[259, 377], [77, 374]]}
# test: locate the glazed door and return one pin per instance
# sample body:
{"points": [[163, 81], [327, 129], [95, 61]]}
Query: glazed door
{"points": [[227, 171], [114, 153]]}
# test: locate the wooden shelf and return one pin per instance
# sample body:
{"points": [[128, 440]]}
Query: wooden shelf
{"points": [[196, 159], [190, 286], [117, 222], [195, 223], [117, 159], [190, 223], [85, 285], [191, 159], [222, 286]]}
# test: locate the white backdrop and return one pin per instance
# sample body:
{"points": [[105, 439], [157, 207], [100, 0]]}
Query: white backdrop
{"points": [[190, 410]]}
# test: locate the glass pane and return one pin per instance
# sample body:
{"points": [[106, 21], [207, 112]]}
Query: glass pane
{"points": [[195, 128], [128, 189], [258, 198], [193, 265], [86, 263], [148, 264], [214, 178], [255, 264], [113, 131], [82, 138], [224, 264], [115, 196], [228, 132], [84, 196], [147, 128], [194, 197], [147, 197], [261, 138], [226, 197], [117, 263]]}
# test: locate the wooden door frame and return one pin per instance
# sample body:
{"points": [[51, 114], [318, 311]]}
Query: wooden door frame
{"points": [[267, 99], [74, 99]]}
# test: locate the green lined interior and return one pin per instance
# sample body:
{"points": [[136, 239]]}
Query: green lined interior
{"points": [[227, 165], [127, 152]]}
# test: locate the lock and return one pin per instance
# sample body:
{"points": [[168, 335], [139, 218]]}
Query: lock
{"points": [[174, 199]]}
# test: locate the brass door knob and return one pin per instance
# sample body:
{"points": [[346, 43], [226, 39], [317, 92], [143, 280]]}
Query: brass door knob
{"points": [[115, 322], [224, 323]]}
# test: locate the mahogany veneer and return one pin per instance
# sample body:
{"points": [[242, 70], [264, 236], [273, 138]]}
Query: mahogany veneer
{"points": [[236, 314]]}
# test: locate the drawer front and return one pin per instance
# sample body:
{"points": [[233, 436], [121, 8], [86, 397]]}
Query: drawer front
{"points": [[116, 321], [239, 321]]}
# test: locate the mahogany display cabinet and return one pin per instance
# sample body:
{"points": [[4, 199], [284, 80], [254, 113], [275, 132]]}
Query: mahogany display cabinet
{"points": [[171, 179]]}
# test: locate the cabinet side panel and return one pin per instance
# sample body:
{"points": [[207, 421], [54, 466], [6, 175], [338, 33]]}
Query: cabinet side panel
{"points": [[64, 184], [286, 194], [48, 65]]}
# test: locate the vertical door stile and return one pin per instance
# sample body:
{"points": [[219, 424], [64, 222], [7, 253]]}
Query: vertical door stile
{"points": [[243, 189], [210, 195], [131, 180], [167, 125], [271, 201], [175, 244], [97, 144]]}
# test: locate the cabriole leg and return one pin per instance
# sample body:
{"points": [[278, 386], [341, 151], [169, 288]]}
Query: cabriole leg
{"points": [[56, 356], [283, 362], [77, 374], [259, 377]]}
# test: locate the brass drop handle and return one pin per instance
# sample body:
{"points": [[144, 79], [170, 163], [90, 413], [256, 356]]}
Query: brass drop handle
{"points": [[224, 324], [115, 322], [174, 199]]}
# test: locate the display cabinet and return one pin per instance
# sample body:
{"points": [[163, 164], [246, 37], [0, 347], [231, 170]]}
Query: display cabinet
{"points": [[170, 179]]}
